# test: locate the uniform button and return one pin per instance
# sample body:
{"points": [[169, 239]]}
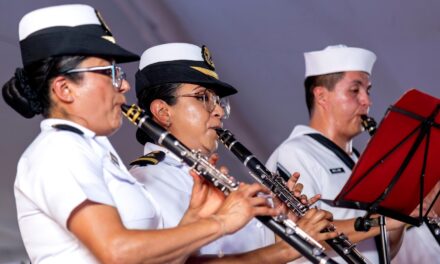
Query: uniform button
{"points": [[259, 225]]}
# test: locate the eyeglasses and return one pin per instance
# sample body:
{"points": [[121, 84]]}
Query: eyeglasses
{"points": [[117, 74], [210, 100]]}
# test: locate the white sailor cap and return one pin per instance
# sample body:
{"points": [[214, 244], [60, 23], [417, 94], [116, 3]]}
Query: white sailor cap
{"points": [[68, 30], [338, 58], [179, 63]]}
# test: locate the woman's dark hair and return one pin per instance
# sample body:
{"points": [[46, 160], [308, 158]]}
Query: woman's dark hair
{"points": [[165, 92], [27, 92], [327, 80]]}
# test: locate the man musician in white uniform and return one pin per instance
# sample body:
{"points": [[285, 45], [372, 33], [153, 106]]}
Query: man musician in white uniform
{"points": [[337, 85]]}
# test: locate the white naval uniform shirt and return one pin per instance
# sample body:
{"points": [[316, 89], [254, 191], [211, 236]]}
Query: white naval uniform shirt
{"points": [[418, 246], [171, 185], [60, 170], [322, 172]]}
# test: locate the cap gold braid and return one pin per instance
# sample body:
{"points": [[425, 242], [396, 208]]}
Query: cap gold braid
{"points": [[104, 25], [207, 57], [213, 74]]}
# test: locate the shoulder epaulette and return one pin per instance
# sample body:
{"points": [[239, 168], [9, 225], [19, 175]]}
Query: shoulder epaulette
{"points": [[68, 128], [151, 158]]}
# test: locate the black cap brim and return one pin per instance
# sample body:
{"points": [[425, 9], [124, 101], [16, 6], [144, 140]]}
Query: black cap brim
{"points": [[179, 72], [71, 41]]}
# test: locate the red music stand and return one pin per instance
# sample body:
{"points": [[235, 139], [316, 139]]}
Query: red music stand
{"points": [[400, 164]]}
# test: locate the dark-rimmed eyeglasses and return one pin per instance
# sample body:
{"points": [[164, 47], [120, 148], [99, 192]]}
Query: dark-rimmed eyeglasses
{"points": [[115, 72], [210, 100]]}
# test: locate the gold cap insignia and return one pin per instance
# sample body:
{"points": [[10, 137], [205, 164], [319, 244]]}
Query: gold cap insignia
{"points": [[108, 34], [207, 57]]}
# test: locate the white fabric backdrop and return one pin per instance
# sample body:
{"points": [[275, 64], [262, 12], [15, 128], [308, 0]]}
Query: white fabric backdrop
{"points": [[257, 46]]}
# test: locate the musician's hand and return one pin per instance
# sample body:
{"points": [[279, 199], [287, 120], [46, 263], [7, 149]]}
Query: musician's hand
{"points": [[316, 220], [242, 205], [312, 223], [205, 200], [213, 160], [296, 188]]}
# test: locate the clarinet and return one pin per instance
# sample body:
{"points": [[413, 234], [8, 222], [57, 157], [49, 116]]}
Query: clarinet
{"points": [[433, 223], [276, 183], [284, 228]]}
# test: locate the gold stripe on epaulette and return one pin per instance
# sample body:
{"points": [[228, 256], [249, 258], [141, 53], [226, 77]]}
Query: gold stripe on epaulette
{"points": [[153, 160], [213, 74]]}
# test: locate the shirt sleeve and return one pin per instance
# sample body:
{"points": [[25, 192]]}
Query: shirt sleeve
{"points": [[62, 176]]}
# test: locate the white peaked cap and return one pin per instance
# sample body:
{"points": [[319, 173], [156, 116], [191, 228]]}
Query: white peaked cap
{"points": [[64, 15], [179, 63], [338, 58], [170, 52], [68, 30]]}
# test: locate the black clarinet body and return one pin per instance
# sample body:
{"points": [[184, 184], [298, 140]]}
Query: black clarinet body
{"points": [[285, 229], [276, 183]]}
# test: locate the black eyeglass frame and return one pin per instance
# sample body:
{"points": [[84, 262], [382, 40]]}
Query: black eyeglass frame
{"points": [[116, 73], [206, 96]]}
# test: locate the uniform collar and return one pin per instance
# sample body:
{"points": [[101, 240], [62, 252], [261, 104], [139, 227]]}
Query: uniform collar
{"points": [[47, 124], [301, 130]]}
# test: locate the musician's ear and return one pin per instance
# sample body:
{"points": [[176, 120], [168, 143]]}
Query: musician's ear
{"points": [[61, 90], [160, 112], [320, 94]]}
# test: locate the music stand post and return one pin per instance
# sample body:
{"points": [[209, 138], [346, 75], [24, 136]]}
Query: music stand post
{"points": [[383, 181], [365, 223]]}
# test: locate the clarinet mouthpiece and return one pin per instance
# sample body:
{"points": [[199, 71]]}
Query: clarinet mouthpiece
{"points": [[369, 124], [125, 108]]}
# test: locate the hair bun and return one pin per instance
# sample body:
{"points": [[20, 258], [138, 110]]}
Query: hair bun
{"points": [[18, 94]]}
